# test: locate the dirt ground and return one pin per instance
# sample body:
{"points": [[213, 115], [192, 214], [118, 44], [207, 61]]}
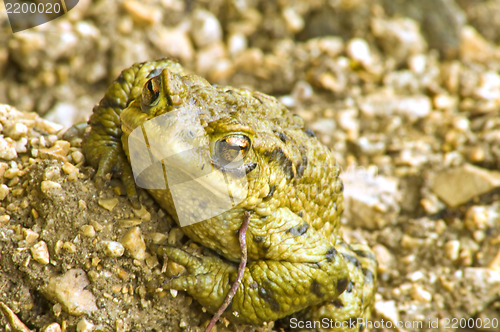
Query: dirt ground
{"points": [[405, 93]]}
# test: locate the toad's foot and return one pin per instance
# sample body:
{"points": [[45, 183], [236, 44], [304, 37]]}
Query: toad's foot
{"points": [[269, 289]]}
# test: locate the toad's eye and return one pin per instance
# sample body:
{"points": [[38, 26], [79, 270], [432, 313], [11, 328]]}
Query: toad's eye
{"points": [[230, 151], [151, 92]]}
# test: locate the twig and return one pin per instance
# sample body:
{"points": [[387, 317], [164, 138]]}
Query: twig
{"points": [[239, 276]]}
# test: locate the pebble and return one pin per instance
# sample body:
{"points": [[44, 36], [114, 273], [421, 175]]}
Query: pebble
{"points": [[143, 213], [495, 262], [30, 236], [4, 219], [141, 13], [399, 37], [489, 86], [452, 249], [173, 42], [418, 293], [134, 243], [108, 203], [294, 22], [473, 47], [16, 131], [4, 191], [113, 248], [48, 186], [370, 201], [58, 151], [87, 230], [71, 170], [175, 236], [84, 326], [459, 185], [159, 238], [386, 260], [52, 172], [388, 310], [205, 28], [70, 291], [386, 103], [359, 50], [482, 217], [54, 327], [77, 157], [7, 148], [236, 43], [40, 253]]}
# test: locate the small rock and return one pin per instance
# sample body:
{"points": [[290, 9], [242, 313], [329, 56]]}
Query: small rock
{"points": [[174, 42], [385, 103], [359, 50], [459, 185], [473, 46], [208, 57], [420, 294], [69, 290], [489, 86], [478, 288], [388, 310], [236, 43], [54, 327], [112, 248], [482, 217], [399, 37], [370, 201], [495, 263], [143, 213], [71, 170], [84, 326], [324, 126], [87, 230], [58, 151], [63, 113], [108, 203], [7, 149], [175, 236], [4, 219], [294, 22], [77, 157], [40, 253], [52, 172], [48, 186], [30, 236], [16, 131], [452, 249], [134, 243], [159, 238], [141, 12], [386, 260], [205, 28], [4, 191]]}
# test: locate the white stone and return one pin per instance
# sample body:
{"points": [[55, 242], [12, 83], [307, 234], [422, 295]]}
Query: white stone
{"points": [[40, 253]]}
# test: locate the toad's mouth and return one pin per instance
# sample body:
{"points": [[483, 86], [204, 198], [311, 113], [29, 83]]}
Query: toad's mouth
{"points": [[171, 152]]}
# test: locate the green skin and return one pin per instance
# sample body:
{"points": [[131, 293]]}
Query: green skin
{"points": [[296, 256]]}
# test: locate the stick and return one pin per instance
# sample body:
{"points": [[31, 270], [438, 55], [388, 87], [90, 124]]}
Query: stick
{"points": [[239, 276]]}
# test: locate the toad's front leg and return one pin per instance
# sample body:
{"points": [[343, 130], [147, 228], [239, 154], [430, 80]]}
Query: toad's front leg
{"points": [[270, 289]]}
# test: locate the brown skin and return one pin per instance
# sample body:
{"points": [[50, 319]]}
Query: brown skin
{"points": [[297, 258]]}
